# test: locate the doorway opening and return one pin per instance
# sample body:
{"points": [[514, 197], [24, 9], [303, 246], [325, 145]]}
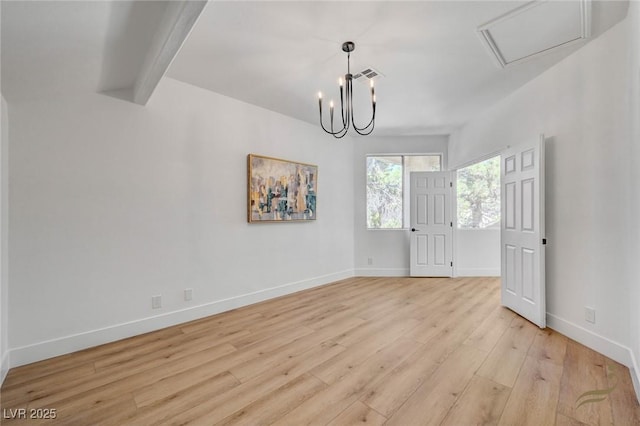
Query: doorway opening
{"points": [[478, 212]]}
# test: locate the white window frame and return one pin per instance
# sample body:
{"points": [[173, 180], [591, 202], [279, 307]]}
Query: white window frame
{"points": [[405, 206]]}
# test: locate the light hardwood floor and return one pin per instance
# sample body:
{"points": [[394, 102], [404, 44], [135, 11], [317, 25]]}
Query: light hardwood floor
{"points": [[395, 351]]}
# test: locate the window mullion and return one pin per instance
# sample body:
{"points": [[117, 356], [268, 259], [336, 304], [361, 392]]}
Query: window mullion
{"points": [[404, 179]]}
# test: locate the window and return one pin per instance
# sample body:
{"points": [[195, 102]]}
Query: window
{"points": [[478, 190], [387, 176]]}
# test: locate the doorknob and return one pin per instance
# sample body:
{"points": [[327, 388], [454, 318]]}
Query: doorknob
{"points": [[414, 229]]}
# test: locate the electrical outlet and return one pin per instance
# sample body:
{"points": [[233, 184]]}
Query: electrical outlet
{"points": [[188, 294], [370, 261], [156, 302], [589, 315]]}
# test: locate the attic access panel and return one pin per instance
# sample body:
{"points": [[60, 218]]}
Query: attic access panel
{"points": [[536, 28]]}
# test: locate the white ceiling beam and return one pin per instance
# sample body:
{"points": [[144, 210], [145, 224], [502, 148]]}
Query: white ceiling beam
{"points": [[178, 21]]}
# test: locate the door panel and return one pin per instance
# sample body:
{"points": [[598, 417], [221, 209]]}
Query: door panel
{"points": [[522, 231], [509, 278], [431, 239], [528, 159], [528, 204], [422, 205], [439, 209], [510, 200], [439, 249], [422, 246]]}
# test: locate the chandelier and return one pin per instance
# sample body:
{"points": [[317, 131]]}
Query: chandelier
{"points": [[346, 102]]}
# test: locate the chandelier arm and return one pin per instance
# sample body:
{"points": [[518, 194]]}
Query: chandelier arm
{"points": [[342, 110], [340, 135], [344, 114], [325, 129], [333, 133], [363, 132], [373, 115], [345, 122], [349, 102], [371, 122], [368, 128]]}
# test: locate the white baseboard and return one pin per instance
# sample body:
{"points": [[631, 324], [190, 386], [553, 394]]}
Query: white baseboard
{"points": [[635, 375], [382, 272], [404, 272], [60, 346], [478, 272], [4, 366], [598, 343]]}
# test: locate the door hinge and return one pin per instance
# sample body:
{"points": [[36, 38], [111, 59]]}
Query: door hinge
{"points": [[451, 264], [544, 241], [450, 184], [451, 224]]}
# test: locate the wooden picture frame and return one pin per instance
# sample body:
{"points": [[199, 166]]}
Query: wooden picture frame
{"points": [[280, 190]]}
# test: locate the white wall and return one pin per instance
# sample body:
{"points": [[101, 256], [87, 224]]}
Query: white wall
{"points": [[389, 249], [4, 229], [581, 105], [477, 252], [111, 203], [634, 194]]}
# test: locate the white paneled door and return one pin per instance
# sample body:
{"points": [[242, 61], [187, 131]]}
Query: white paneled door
{"points": [[522, 231], [431, 224]]}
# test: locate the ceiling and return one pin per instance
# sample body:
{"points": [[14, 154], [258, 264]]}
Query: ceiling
{"points": [[278, 55], [60, 48]]}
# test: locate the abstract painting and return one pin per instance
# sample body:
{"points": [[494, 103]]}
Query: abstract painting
{"points": [[281, 190]]}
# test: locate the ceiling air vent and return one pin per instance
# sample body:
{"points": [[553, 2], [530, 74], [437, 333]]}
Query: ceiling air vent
{"points": [[367, 75], [536, 28]]}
